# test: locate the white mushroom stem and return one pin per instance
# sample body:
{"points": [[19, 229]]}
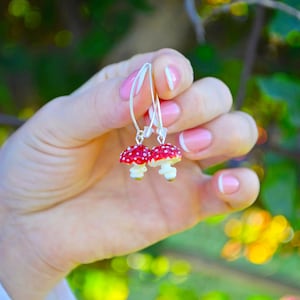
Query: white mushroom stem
{"points": [[167, 170], [137, 171]]}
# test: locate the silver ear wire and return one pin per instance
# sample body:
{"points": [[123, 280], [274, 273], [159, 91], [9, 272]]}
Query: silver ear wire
{"points": [[136, 86], [161, 130], [163, 155]]}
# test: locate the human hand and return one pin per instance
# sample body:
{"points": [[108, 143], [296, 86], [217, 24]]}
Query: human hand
{"points": [[66, 199]]}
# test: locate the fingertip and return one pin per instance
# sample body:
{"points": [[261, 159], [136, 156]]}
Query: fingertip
{"points": [[220, 90], [238, 188], [252, 127], [173, 74]]}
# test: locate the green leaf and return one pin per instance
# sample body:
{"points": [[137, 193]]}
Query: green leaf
{"points": [[282, 88], [95, 44], [205, 61], [215, 295], [286, 26], [279, 188], [6, 103], [260, 297], [282, 25], [141, 5]]}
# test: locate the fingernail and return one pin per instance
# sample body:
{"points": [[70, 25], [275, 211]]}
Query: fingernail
{"points": [[170, 112], [228, 184], [195, 140], [172, 76], [126, 86]]}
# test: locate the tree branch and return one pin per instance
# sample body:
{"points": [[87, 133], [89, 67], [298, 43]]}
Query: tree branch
{"points": [[267, 3], [195, 18], [291, 154], [250, 55], [70, 17], [12, 121], [200, 23]]}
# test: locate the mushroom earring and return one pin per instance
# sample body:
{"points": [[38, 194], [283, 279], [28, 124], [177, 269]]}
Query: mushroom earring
{"points": [[164, 155], [139, 155]]}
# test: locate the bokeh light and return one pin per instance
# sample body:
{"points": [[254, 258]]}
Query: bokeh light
{"points": [[180, 268], [217, 2], [239, 9], [105, 286], [160, 266], [256, 235], [18, 8], [63, 38], [262, 135]]}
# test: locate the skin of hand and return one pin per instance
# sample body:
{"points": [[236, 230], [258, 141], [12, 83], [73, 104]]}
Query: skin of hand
{"points": [[66, 200]]}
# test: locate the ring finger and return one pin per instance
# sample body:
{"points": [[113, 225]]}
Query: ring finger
{"points": [[205, 100], [230, 135]]}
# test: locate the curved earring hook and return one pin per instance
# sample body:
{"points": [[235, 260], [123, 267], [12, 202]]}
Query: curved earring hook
{"points": [[161, 130], [136, 86]]}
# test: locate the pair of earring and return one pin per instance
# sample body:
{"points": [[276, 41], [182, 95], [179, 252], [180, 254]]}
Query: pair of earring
{"points": [[139, 156]]}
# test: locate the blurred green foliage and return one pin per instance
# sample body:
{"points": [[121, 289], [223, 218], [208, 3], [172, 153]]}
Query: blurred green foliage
{"points": [[48, 48], [54, 46]]}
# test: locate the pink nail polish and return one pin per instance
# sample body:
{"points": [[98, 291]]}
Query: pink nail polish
{"points": [[228, 184], [195, 140], [127, 85], [170, 112], [173, 77]]}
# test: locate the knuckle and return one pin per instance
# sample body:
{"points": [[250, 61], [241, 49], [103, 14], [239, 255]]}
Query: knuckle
{"points": [[54, 106], [108, 72]]}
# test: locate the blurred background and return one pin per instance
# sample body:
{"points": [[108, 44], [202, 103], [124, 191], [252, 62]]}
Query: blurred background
{"points": [[49, 48]]}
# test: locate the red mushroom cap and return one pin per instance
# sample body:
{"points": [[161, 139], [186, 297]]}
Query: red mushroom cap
{"points": [[138, 154], [166, 151]]}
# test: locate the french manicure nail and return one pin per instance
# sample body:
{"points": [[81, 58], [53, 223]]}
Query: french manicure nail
{"points": [[195, 140], [140, 82], [127, 85], [172, 76], [170, 112], [228, 184]]}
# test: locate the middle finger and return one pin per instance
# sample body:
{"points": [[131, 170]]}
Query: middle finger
{"points": [[205, 100]]}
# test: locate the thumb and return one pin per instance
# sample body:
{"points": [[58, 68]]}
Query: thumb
{"points": [[103, 105]]}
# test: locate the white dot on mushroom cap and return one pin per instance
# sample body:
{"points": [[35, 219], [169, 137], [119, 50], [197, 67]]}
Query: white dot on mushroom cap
{"points": [[138, 153]]}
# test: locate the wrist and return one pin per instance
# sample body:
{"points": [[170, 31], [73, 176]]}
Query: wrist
{"points": [[22, 274]]}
